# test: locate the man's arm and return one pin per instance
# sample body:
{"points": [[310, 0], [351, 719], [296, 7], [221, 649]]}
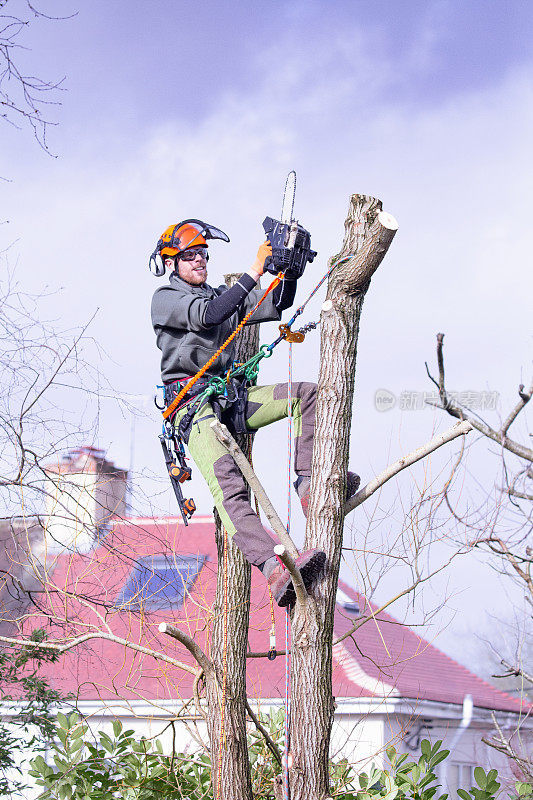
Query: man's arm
{"points": [[284, 294], [222, 307], [228, 302]]}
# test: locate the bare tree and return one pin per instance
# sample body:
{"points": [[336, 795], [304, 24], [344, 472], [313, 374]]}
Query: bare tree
{"points": [[49, 377], [501, 526], [25, 99]]}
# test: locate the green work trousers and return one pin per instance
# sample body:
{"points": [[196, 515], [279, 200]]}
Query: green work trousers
{"points": [[266, 404]]}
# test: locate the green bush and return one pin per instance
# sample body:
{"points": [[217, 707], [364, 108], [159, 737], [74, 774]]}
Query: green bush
{"points": [[117, 767], [124, 767], [31, 723]]}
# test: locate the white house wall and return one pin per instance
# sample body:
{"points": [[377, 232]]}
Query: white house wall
{"points": [[71, 509]]}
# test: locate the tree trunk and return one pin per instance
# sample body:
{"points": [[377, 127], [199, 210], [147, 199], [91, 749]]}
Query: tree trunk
{"points": [[227, 723], [368, 234]]}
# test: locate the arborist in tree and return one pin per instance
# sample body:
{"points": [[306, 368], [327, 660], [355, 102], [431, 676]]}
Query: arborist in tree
{"points": [[192, 320]]}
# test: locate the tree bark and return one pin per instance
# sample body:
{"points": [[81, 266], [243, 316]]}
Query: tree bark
{"points": [[228, 745], [368, 234]]}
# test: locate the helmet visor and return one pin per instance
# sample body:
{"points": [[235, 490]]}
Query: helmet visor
{"points": [[206, 230]]}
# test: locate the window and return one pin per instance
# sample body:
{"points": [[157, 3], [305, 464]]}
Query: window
{"points": [[347, 602], [459, 776], [159, 582]]}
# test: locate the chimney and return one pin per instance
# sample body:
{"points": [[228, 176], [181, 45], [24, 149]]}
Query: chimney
{"points": [[84, 492]]}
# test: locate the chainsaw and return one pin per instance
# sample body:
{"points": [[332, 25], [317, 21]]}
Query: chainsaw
{"points": [[291, 243]]}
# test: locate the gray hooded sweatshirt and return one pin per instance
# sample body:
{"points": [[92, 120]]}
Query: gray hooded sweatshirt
{"points": [[186, 343]]}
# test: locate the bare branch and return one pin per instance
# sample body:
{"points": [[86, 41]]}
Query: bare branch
{"points": [[525, 397], [265, 734], [459, 429], [24, 98], [62, 648], [518, 672], [408, 590], [503, 744], [501, 548], [516, 493], [457, 411], [226, 439], [193, 648]]}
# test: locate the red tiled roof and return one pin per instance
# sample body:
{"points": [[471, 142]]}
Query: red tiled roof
{"points": [[387, 659]]}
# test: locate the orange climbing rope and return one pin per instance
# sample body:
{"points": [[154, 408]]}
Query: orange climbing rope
{"points": [[177, 400]]}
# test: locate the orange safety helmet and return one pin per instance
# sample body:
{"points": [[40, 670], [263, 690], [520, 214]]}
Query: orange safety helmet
{"points": [[177, 238]]}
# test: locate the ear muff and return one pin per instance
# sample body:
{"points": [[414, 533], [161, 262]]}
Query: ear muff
{"points": [[156, 264]]}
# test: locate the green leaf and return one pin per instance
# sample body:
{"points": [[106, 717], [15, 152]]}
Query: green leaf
{"points": [[40, 765], [391, 794], [63, 721], [77, 746], [108, 745], [439, 757], [117, 727], [425, 747], [430, 777], [464, 795], [65, 792], [480, 777], [388, 781]]}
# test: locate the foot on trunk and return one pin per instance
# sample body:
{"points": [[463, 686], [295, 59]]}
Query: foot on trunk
{"points": [[303, 487], [310, 564]]}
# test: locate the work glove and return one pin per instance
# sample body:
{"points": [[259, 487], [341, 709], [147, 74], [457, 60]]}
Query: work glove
{"points": [[264, 252]]}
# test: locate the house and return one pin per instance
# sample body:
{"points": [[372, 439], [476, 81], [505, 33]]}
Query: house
{"points": [[111, 594]]}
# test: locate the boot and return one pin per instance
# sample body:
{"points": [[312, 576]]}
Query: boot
{"points": [[310, 565], [303, 486]]}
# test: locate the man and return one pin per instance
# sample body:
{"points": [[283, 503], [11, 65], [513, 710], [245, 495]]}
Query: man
{"points": [[191, 321]]}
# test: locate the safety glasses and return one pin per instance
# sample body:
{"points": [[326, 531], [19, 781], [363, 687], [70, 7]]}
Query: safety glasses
{"points": [[191, 253]]}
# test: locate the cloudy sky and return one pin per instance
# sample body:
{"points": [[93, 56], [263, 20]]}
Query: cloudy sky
{"points": [[173, 110]]}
